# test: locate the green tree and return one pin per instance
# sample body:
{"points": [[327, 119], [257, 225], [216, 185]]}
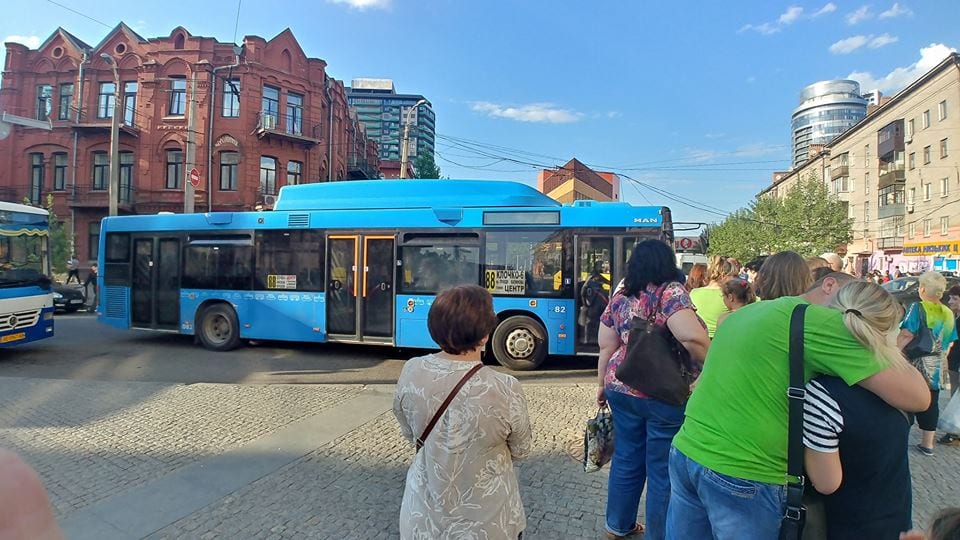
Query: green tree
{"points": [[807, 219], [425, 167]]}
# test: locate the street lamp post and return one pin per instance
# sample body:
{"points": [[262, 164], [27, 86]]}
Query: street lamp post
{"points": [[114, 188], [405, 146]]}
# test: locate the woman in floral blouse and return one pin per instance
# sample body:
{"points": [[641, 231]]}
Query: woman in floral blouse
{"points": [[643, 427], [462, 483]]}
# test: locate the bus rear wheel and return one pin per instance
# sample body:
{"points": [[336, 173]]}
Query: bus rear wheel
{"points": [[520, 343], [218, 328]]}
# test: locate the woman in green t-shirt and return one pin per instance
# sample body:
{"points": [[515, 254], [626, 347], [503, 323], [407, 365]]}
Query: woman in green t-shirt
{"points": [[709, 300]]}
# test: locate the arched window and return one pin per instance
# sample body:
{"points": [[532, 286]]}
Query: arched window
{"points": [[178, 41], [286, 61]]}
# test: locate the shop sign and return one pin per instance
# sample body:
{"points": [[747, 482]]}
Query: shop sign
{"points": [[925, 249]]}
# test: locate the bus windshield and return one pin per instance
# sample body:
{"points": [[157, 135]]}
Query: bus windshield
{"points": [[23, 259]]}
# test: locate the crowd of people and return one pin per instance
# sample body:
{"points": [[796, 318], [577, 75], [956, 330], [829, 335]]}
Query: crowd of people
{"points": [[715, 466]]}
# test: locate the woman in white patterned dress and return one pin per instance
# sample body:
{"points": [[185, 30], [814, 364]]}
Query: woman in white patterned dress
{"points": [[462, 484]]}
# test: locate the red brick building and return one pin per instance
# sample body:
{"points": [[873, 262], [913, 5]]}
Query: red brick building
{"points": [[266, 116]]}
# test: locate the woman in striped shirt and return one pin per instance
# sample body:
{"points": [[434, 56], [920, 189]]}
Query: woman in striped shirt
{"points": [[856, 444]]}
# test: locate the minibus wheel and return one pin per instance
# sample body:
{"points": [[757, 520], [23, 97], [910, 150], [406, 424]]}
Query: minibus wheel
{"points": [[520, 343], [219, 328]]}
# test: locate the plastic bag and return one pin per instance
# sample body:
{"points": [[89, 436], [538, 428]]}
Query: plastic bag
{"points": [[598, 441], [950, 417]]}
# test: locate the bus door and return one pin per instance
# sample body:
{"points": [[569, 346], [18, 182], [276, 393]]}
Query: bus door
{"points": [[597, 274], [155, 287], [360, 288]]}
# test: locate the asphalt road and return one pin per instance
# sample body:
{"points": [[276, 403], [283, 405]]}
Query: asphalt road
{"points": [[85, 349]]}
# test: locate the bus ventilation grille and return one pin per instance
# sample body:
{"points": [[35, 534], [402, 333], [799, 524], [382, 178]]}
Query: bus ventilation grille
{"points": [[115, 301], [298, 220]]}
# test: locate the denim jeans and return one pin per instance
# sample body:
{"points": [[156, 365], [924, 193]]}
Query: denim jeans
{"points": [[707, 504], [643, 430]]}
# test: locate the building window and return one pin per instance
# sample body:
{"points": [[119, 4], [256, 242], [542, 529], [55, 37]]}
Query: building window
{"points": [[866, 183], [105, 100], [912, 160], [178, 96], [268, 175], [66, 101], [910, 127], [93, 240], [866, 155], [944, 186], [866, 214], [294, 172], [59, 171], [36, 178], [129, 103], [294, 113], [126, 177], [270, 107], [926, 155], [231, 98], [942, 110], [945, 225], [926, 119], [174, 169], [926, 227], [911, 196], [943, 148], [44, 101], [926, 191], [851, 184], [101, 170], [911, 230], [229, 163]]}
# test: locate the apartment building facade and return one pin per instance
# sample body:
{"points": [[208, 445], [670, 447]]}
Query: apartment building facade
{"points": [[575, 181], [898, 169], [266, 115]]}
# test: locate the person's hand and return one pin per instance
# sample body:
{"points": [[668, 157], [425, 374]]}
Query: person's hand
{"points": [[913, 535], [25, 512], [601, 397]]}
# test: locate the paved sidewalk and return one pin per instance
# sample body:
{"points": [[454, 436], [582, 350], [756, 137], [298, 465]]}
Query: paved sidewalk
{"points": [[145, 460]]}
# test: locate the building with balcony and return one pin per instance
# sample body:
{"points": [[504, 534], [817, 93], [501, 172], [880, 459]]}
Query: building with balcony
{"points": [[827, 109], [898, 173], [575, 181], [266, 115], [382, 111]]}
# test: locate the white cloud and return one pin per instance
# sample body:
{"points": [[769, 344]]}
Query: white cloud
{"points": [[896, 10], [533, 112], [765, 28], [830, 7], [882, 40], [852, 43], [751, 79], [860, 15], [30, 41], [364, 4], [791, 15], [848, 45], [900, 77]]}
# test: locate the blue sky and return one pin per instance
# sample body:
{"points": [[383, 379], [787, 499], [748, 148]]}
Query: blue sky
{"points": [[692, 98]]}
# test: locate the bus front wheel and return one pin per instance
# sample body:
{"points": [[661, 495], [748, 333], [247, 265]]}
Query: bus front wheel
{"points": [[218, 328], [520, 343]]}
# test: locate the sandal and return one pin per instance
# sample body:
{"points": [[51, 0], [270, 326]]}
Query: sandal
{"points": [[638, 530]]}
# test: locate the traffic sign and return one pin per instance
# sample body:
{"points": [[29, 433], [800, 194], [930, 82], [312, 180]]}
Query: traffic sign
{"points": [[194, 178], [686, 243]]}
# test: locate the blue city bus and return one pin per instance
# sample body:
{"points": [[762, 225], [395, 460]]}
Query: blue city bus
{"points": [[361, 262], [26, 302]]}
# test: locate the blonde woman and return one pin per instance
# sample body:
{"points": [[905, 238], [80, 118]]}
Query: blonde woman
{"points": [[855, 442], [709, 299], [929, 359]]}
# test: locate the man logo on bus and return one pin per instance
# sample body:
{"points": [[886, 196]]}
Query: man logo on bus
{"points": [[645, 220], [410, 304]]}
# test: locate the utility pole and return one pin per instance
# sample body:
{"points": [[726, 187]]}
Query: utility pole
{"points": [[191, 158], [113, 191], [405, 145]]}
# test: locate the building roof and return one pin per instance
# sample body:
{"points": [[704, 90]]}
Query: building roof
{"points": [[393, 194], [74, 40], [122, 27], [363, 83]]}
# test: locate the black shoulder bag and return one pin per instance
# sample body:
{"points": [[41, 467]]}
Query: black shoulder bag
{"points": [[794, 518], [655, 363]]}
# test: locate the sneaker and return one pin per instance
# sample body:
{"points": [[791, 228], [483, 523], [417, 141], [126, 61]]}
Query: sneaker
{"points": [[924, 450], [949, 439]]}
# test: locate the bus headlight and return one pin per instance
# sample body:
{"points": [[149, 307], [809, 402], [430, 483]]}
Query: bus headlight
{"points": [[48, 316]]}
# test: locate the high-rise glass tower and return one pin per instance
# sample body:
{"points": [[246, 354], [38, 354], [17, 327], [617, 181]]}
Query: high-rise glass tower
{"points": [[827, 109], [383, 111]]}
